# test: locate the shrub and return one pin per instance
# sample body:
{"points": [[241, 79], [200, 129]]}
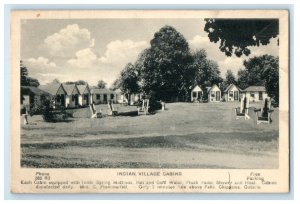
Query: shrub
{"points": [[154, 105], [51, 115]]}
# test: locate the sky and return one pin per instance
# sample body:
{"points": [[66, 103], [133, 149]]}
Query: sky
{"points": [[98, 49]]}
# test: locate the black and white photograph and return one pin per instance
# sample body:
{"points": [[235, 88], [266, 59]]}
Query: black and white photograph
{"points": [[150, 93]]}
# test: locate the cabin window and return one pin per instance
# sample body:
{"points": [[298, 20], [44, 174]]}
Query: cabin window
{"points": [[58, 98], [112, 96], [212, 94], [199, 95], [260, 96], [98, 96], [252, 94], [105, 97], [231, 93], [194, 94], [74, 97]]}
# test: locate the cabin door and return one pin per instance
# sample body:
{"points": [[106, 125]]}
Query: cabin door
{"points": [[62, 100], [236, 95], [199, 95], [87, 99], [76, 100], [218, 96]]}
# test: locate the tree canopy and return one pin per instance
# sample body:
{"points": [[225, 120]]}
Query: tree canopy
{"points": [[166, 72], [261, 70], [207, 71], [237, 35], [116, 84], [229, 77], [79, 82], [168, 69], [242, 78], [25, 79], [101, 84], [128, 81], [270, 74]]}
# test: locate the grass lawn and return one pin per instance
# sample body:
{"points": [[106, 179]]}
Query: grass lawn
{"points": [[186, 135]]}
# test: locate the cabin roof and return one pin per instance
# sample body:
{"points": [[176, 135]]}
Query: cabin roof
{"points": [[81, 88], [210, 88], [50, 88], [34, 90], [69, 88], [230, 86], [255, 89], [101, 91], [197, 88]]}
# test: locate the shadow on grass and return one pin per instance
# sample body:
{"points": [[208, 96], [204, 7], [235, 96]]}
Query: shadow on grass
{"points": [[60, 121], [174, 142], [130, 114]]}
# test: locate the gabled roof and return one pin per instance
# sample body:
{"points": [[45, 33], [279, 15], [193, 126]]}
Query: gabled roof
{"points": [[230, 86], [255, 88], [69, 88], [34, 90], [81, 88], [101, 91], [197, 88], [210, 88], [50, 88]]}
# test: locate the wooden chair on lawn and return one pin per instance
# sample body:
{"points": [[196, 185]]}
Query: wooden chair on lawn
{"points": [[145, 107], [163, 105], [243, 110], [111, 109], [264, 113], [95, 113]]}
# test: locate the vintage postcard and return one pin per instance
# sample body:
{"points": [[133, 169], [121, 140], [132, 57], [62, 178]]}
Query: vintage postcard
{"points": [[149, 101]]}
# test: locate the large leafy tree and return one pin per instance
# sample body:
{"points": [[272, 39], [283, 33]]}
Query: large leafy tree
{"points": [[129, 80], [167, 73], [242, 78], [271, 78], [116, 84], [236, 35], [229, 79], [261, 70], [207, 71], [25, 79], [255, 67]]}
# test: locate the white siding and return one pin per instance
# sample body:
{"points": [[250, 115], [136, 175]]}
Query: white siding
{"points": [[95, 100], [196, 93], [212, 95], [230, 95], [83, 101], [67, 100], [254, 96]]}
